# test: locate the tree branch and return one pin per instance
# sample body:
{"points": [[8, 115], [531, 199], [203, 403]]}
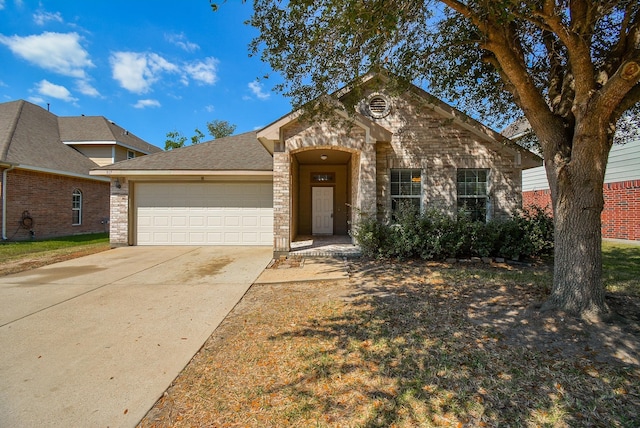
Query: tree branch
{"points": [[611, 95], [578, 48]]}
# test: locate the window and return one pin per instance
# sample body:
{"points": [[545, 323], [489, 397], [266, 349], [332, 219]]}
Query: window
{"points": [[131, 154], [473, 195], [406, 188], [76, 208], [323, 177]]}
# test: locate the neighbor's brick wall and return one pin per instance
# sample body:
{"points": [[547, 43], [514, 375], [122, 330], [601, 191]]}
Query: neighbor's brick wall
{"points": [[48, 198], [621, 214]]}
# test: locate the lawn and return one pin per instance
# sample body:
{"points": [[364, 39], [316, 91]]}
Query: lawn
{"points": [[621, 268], [24, 255], [414, 343]]}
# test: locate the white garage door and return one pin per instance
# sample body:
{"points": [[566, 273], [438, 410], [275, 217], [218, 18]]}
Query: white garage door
{"points": [[204, 213]]}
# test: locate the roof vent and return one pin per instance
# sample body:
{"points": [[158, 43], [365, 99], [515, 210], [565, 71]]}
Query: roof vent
{"points": [[378, 106]]}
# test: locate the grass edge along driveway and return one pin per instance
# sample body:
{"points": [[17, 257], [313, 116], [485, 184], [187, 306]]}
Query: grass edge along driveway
{"points": [[24, 255]]}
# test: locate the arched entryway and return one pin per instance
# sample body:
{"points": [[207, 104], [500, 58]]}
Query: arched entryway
{"points": [[322, 192]]}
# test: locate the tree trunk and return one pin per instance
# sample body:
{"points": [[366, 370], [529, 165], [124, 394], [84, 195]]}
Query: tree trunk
{"points": [[578, 202]]}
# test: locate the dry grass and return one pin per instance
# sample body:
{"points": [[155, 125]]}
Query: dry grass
{"points": [[407, 345]]}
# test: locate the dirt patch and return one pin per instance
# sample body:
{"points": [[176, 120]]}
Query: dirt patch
{"points": [[409, 344]]}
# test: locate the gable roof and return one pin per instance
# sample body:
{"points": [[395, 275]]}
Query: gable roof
{"points": [[241, 152], [92, 129], [271, 133], [30, 139]]}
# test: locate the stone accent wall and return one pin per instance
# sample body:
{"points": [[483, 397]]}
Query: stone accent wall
{"points": [[48, 199], [281, 203], [120, 220], [621, 214], [424, 139], [299, 137]]}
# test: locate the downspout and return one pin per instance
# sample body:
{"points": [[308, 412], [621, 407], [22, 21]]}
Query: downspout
{"points": [[4, 201]]}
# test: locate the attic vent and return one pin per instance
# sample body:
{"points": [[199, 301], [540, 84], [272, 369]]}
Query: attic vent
{"points": [[378, 106]]}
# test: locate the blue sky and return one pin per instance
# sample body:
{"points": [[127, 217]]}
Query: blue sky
{"points": [[150, 66]]}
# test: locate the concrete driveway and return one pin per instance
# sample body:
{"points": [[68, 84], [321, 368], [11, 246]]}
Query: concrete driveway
{"points": [[95, 341]]}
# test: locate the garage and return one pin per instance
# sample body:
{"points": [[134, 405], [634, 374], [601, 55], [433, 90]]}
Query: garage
{"points": [[204, 213]]}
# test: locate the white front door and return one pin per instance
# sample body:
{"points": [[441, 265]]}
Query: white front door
{"points": [[322, 210]]}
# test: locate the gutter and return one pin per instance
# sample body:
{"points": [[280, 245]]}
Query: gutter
{"points": [[4, 201]]}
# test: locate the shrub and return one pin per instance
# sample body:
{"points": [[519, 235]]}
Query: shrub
{"points": [[434, 235]]}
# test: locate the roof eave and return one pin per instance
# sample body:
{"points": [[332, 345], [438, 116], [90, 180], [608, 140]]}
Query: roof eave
{"points": [[59, 172], [178, 172]]}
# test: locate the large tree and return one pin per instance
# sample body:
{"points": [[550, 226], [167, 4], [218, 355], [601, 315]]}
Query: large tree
{"points": [[572, 67]]}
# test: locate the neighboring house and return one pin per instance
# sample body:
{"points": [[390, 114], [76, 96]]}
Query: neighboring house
{"points": [[621, 214], [46, 189], [293, 178]]}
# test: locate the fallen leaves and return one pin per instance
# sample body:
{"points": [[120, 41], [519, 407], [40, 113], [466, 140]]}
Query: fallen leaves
{"points": [[411, 344]]}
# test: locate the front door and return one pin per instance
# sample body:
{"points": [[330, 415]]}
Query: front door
{"points": [[322, 210]]}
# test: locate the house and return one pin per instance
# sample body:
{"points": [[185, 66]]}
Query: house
{"points": [[296, 178], [621, 214], [46, 189]]}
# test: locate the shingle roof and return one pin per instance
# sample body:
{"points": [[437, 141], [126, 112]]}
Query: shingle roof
{"points": [[29, 136], [517, 128], [239, 152], [98, 128]]}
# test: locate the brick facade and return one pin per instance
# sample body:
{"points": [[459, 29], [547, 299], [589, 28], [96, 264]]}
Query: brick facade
{"points": [[420, 138], [621, 214], [48, 199], [424, 139]]}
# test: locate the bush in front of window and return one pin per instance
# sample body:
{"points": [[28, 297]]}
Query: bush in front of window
{"points": [[434, 235]]}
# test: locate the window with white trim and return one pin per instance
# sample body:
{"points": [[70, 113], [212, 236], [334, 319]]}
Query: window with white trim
{"points": [[406, 188], [131, 154], [473, 192], [76, 208]]}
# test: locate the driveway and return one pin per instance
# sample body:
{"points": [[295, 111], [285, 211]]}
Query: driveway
{"points": [[95, 341]]}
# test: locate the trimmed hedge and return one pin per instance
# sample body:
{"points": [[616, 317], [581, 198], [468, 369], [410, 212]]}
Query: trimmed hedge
{"points": [[437, 236]]}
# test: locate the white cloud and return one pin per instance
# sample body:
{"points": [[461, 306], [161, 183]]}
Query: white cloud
{"points": [[146, 103], [203, 72], [87, 89], [48, 89], [1, 4], [209, 108], [256, 88], [180, 40], [136, 72], [36, 100], [57, 52], [42, 17]]}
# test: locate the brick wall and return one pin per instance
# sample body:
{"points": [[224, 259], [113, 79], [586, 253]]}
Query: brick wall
{"points": [[621, 214], [48, 199]]}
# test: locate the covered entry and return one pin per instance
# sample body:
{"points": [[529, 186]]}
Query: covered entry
{"points": [[321, 197]]}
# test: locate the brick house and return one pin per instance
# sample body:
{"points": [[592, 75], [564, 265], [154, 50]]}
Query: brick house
{"points": [[296, 178], [46, 190], [621, 214]]}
